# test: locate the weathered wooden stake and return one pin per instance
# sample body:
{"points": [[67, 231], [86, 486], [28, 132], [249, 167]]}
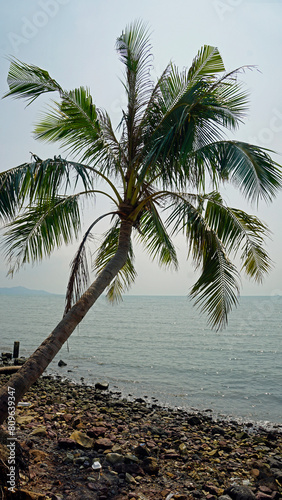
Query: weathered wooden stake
{"points": [[16, 350]]}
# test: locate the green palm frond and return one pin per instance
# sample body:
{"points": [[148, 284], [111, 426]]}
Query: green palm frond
{"points": [[186, 117], [38, 180], [249, 167], [217, 289], [29, 82], [239, 231], [155, 238], [207, 62], [127, 274], [40, 230], [255, 260], [74, 123], [112, 157], [213, 231], [135, 53], [10, 189], [187, 217]]}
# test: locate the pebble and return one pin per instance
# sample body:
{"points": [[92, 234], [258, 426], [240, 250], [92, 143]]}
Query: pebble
{"points": [[145, 451]]}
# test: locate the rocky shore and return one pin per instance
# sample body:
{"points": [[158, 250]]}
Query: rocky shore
{"points": [[79, 442]]}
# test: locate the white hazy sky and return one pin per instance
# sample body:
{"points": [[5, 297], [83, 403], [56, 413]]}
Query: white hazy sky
{"points": [[75, 41]]}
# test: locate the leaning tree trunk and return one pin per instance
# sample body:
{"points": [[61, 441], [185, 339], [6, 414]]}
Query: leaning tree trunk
{"points": [[42, 357]]}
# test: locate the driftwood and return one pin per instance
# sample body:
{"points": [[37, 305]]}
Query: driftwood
{"points": [[6, 370]]}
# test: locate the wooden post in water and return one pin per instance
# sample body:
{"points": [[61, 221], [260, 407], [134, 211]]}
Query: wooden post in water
{"points": [[16, 350]]}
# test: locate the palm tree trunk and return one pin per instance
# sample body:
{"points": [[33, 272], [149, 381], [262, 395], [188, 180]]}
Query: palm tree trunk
{"points": [[41, 358]]}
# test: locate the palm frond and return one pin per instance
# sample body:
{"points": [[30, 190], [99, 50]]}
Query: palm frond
{"points": [[186, 117], [40, 230], [217, 289], [79, 276], [239, 230], [134, 50], [207, 62], [248, 167], [156, 239], [127, 274], [10, 189], [74, 123], [38, 180], [29, 82]]}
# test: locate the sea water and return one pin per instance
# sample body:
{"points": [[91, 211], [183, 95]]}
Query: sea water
{"points": [[161, 349]]}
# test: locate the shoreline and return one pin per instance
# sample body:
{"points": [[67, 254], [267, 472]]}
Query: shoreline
{"points": [[216, 415], [140, 450]]}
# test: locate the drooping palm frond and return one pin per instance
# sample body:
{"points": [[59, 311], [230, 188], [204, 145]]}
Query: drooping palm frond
{"points": [[40, 229], [240, 231], [10, 188], [249, 167], [79, 276], [213, 232], [156, 239], [38, 180], [112, 158], [217, 288], [127, 274], [29, 82]]}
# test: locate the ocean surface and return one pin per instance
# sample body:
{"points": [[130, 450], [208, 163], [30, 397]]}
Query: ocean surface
{"points": [[161, 349]]}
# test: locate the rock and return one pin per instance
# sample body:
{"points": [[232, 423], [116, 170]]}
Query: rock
{"points": [[183, 449], [62, 363], [66, 443], [96, 432], [24, 419], [194, 420], [114, 458], [6, 355], [263, 496], [39, 431], [277, 473], [150, 465], [129, 479], [275, 462], [218, 430], [103, 443], [141, 451], [131, 458], [238, 492], [19, 361], [82, 439], [102, 386], [38, 455]]}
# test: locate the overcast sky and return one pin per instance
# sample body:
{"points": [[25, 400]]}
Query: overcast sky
{"points": [[75, 41]]}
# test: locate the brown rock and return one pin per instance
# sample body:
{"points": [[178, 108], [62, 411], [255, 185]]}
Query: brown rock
{"points": [[82, 439], [150, 465], [66, 443], [103, 443], [96, 432]]}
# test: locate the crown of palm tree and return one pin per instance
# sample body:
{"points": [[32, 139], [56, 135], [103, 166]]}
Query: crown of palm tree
{"points": [[170, 145]]}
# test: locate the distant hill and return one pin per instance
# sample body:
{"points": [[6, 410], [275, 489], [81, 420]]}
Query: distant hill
{"points": [[21, 290]]}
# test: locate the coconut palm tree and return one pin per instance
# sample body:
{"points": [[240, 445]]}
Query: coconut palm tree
{"points": [[161, 171]]}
